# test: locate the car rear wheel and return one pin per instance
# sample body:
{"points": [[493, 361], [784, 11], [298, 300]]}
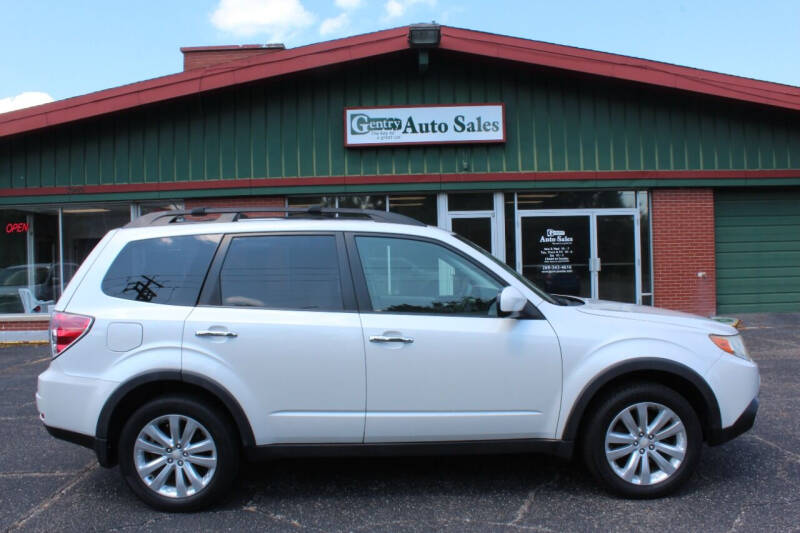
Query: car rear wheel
{"points": [[178, 453], [643, 440]]}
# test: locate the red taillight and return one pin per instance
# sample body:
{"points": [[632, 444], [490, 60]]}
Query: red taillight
{"points": [[66, 328]]}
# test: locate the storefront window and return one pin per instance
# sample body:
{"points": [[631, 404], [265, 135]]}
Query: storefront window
{"points": [[308, 201], [417, 206], [483, 201], [377, 202], [576, 200], [144, 208], [511, 240], [29, 267], [84, 226]]}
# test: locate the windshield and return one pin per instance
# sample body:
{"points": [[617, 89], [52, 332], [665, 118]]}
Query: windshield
{"points": [[519, 277]]}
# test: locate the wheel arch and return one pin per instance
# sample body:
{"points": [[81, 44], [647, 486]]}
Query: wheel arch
{"points": [[130, 395], [672, 374]]}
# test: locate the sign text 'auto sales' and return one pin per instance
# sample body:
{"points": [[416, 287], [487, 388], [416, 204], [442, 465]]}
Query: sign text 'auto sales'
{"points": [[476, 123]]}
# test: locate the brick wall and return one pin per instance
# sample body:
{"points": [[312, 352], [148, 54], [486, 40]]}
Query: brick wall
{"points": [[206, 56], [683, 247]]}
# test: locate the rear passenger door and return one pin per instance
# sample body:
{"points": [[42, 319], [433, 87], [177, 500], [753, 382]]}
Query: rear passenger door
{"points": [[277, 326]]}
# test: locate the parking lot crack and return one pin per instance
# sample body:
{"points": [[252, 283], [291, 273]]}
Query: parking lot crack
{"points": [[795, 458], [747, 506], [135, 526], [23, 475], [525, 508], [250, 507], [439, 524], [58, 494], [13, 368]]}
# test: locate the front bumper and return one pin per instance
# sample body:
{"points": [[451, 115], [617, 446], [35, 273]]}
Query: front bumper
{"points": [[742, 424]]}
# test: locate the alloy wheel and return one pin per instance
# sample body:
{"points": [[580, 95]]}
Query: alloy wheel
{"points": [[645, 443], [175, 456]]}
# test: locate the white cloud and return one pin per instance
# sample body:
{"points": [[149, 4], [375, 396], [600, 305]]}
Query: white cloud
{"points": [[348, 4], [398, 8], [334, 24], [278, 19], [26, 99]]}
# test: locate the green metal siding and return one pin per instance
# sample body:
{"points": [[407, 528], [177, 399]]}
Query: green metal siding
{"points": [[293, 127], [758, 250]]}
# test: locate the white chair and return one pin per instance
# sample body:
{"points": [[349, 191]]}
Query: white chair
{"points": [[30, 304]]}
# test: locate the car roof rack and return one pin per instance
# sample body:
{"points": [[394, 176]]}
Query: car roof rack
{"points": [[233, 214]]}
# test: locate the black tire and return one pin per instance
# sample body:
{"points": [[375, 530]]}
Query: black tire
{"points": [[606, 411], [214, 424]]}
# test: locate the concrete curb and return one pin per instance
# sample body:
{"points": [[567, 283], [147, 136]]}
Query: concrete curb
{"points": [[10, 344]]}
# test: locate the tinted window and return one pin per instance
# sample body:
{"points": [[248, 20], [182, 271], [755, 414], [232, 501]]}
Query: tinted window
{"points": [[410, 276], [470, 202], [282, 272], [417, 206], [167, 270]]}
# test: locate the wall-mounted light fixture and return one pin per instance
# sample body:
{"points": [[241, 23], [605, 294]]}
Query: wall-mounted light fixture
{"points": [[424, 35]]}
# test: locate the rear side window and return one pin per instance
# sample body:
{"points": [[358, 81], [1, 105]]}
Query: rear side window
{"points": [[166, 270], [299, 272]]}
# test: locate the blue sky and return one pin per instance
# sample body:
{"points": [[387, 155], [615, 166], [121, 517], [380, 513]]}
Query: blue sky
{"points": [[68, 48]]}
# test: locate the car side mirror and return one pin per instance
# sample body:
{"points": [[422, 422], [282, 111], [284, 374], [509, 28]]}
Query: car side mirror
{"points": [[511, 300]]}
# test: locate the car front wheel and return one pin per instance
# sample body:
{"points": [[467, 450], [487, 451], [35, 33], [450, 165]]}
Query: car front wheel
{"points": [[643, 440], [177, 453]]}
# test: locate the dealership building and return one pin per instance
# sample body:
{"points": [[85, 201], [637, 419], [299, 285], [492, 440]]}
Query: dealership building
{"points": [[590, 173]]}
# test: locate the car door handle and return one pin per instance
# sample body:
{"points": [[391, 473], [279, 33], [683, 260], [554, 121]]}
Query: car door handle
{"points": [[382, 338], [210, 333]]}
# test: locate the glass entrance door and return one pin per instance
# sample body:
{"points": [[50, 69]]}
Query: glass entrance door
{"points": [[556, 252], [616, 250], [592, 253], [477, 229]]}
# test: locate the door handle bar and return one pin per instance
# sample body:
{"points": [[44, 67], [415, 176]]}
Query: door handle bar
{"points": [[382, 338], [209, 333]]}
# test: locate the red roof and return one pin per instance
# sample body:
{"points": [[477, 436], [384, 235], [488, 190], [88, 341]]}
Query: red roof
{"points": [[393, 40]]}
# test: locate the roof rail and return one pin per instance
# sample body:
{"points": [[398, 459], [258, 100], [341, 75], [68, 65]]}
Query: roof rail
{"points": [[233, 214]]}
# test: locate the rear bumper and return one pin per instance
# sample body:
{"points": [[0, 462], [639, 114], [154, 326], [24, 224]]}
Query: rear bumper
{"points": [[100, 446], [742, 424]]}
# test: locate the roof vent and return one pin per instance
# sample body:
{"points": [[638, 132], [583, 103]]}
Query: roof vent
{"points": [[195, 57]]}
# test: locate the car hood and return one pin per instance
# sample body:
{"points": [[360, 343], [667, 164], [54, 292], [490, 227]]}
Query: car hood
{"points": [[646, 313]]}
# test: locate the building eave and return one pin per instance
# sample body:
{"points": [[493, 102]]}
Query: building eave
{"points": [[394, 40]]}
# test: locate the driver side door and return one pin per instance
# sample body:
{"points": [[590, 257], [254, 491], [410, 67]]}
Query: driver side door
{"points": [[442, 365]]}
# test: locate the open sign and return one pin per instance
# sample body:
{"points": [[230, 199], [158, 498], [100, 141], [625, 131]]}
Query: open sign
{"points": [[17, 227]]}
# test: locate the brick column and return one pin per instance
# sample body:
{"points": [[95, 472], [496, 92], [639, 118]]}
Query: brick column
{"points": [[683, 249]]}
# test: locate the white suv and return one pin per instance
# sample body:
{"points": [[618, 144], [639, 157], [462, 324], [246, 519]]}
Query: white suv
{"points": [[181, 345]]}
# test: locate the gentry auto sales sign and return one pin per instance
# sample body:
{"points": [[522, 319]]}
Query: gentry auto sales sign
{"points": [[474, 123]]}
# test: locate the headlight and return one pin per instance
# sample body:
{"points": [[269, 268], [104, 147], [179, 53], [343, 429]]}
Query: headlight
{"points": [[733, 344]]}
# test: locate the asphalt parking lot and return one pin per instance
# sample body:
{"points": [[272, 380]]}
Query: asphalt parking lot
{"points": [[749, 484]]}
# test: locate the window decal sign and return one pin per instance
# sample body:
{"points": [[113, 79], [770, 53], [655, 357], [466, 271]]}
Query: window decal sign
{"points": [[557, 251], [434, 124]]}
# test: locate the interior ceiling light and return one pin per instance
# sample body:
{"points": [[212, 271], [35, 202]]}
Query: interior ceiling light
{"points": [[85, 210]]}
